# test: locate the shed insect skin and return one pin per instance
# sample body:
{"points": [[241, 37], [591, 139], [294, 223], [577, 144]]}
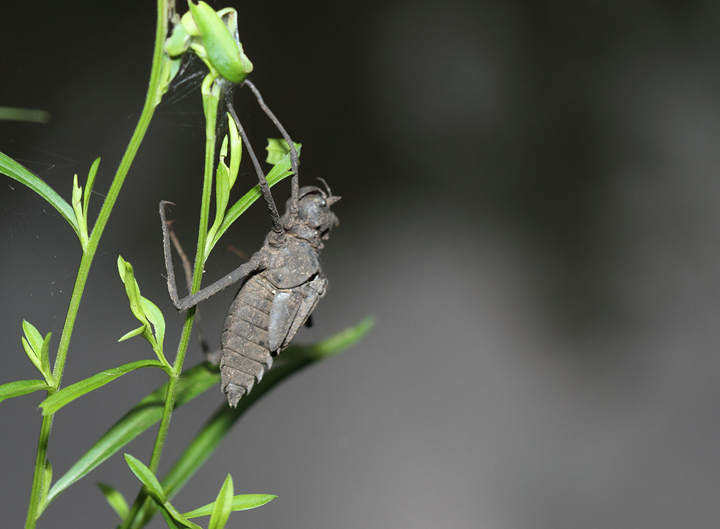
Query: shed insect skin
{"points": [[280, 284]]}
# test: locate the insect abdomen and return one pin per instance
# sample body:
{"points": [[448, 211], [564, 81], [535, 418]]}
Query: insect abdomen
{"points": [[245, 354]]}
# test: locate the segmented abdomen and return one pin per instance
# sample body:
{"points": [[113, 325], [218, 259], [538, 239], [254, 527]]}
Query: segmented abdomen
{"points": [[245, 354]]}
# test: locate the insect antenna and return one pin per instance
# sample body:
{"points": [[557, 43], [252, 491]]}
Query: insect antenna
{"points": [[293, 151], [326, 186], [264, 187]]}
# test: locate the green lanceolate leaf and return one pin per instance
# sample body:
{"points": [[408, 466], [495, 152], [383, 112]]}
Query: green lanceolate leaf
{"points": [[277, 174], [14, 170], [235, 151], [294, 359], [24, 114], [37, 350], [21, 387], [153, 313], [146, 413], [172, 524], [223, 505], [77, 195], [147, 478], [89, 186], [66, 395], [45, 356], [33, 337], [224, 53], [192, 383], [115, 499], [277, 149], [241, 502], [144, 310]]}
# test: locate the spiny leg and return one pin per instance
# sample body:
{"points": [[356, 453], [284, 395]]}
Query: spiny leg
{"points": [[256, 263], [187, 268], [293, 152], [264, 187]]}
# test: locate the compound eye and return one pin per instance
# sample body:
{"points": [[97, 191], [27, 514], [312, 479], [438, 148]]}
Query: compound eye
{"points": [[323, 203]]}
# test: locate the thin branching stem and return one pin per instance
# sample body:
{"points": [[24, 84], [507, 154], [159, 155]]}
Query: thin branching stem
{"points": [[211, 96], [154, 94]]}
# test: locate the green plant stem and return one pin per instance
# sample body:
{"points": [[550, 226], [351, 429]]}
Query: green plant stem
{"points": [[154, 94], [211, 99]]}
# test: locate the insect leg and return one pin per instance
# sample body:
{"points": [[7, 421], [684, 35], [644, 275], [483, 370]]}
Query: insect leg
{"points": [[211, 356], [293, 152], [264, 187], [256, 263]]}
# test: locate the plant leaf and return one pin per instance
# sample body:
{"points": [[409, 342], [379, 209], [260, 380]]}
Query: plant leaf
{"points": [[21, 387], [14, 170], [66, 395], [142, 416], [89, 186], [32, 355], [33, 337], [115, 499], [45, 357], [210, 435], [153, 313], [24, 114], [192, 383], [276, 174], [277, 149], [148, 479], [223, 505], [241, 502], [167, 506], [172, 524], [235, 151]]}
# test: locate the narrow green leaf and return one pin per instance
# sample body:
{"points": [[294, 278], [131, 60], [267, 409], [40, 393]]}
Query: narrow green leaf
{"points": [[76, 201], [155, 315], [172, 524], [148, 479], [132, 289], [33, 336], [14, 170], [276, 174], [241, 502], [235, 151], [115, 499], [132, 334], [21, 387], [45, 359], [24, 114], [223, 505], [147, 412], [32, 355], [277, 149], [77, 195], [47, 481], [192, 383], [89, 186], [179, 518], [66, 395], [292, 360]]}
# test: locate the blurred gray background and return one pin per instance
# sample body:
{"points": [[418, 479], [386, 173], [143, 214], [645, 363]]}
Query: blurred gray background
{"points": [[530, 210]]}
